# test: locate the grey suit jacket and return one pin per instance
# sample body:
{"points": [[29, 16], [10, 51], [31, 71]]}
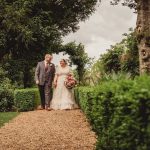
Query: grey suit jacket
{"points": [[44, 76]]}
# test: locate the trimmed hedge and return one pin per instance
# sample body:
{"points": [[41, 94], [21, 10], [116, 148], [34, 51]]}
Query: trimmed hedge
{"points": [[119, 112], [26, 99], [6, 92], [6, 99]]}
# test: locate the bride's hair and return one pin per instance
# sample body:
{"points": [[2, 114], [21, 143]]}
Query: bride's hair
{"points": [[65, 61]]}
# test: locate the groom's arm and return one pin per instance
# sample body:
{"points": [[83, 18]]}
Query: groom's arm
{"points": [[37, 72], [53, 73]]}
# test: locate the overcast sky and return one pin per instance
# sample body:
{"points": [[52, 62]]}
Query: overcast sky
{"points": [[103, 28]]}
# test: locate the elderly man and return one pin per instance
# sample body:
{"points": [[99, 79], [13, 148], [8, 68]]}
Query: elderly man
{"points": [[44, 75]]}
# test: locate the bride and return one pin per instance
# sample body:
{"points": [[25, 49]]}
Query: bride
{"points": [[63, 98]]}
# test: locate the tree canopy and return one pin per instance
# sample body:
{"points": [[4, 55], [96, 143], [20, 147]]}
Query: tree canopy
{"points": [[122, 58], [31, 28], [129, 3], [78, 57], [34, 26]]}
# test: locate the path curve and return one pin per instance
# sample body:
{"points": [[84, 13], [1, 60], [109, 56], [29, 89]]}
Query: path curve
{"points": [[43, 130]]}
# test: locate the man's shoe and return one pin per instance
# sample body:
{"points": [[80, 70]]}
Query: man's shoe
{"points": [[48, 109], [40, 108]]}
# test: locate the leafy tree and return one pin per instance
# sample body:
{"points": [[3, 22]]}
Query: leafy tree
{"points": [[35, 26], [129, 3], [121, 58], [93, 73], [16, 72], [111, 59], [130, 57], [78, 57], [142, 8], [31, 28], [6, 92]]}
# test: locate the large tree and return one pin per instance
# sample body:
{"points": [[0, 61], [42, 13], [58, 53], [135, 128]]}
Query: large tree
{"points": [[78, 57], [34, 26], [142, 8], [31, 28]]}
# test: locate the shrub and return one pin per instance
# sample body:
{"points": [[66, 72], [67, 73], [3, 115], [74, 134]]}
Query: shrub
{"points": [[6, 100], [26, 99], [85, 93], [119, 112], [6, 93], [122, 56]]}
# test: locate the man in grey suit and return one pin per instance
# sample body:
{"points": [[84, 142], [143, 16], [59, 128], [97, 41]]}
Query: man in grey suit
{"points": [[44, 75]]}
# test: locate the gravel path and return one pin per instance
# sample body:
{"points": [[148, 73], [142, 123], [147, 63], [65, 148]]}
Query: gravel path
{"points": [[43, 130]]}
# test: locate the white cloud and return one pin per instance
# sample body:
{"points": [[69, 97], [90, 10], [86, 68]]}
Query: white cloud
{"points": [[104, 28]]}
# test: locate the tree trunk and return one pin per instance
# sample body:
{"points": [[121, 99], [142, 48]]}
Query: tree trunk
{"points": [[143, 34]]}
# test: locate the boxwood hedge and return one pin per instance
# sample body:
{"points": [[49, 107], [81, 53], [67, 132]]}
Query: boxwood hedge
{"points": [[119, 112], [6, 99], [26, 99]]}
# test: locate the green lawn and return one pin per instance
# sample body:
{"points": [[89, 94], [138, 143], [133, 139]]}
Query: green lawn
{"points": [[6, 116]]}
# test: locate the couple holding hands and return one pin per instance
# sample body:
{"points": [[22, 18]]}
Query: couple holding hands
{"points": [[61, 79]]}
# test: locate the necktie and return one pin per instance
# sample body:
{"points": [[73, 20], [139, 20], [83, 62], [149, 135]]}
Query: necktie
{"points": [[46, 67]]}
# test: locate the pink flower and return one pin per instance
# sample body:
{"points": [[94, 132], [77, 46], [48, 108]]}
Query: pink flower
{"points": [[70, 82]]}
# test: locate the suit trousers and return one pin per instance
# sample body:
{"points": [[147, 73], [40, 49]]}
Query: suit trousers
{"points": [[45, 94]]}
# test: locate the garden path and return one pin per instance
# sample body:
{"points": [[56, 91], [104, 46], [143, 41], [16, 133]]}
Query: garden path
{"points": [[48, 130]]}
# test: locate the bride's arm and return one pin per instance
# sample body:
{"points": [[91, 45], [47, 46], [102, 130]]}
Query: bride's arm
{"points": [[56, 76], [55, 80]]}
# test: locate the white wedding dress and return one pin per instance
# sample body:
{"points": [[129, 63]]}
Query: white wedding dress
{"points": [[63, 98]]}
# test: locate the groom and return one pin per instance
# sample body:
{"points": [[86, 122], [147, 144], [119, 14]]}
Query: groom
{"points": [[44, 75]]}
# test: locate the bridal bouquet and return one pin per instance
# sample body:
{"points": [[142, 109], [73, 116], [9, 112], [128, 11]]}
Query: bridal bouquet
{"points": [[70, 81]]}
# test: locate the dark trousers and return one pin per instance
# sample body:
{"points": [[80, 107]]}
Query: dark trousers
{"points": [[45, 95]]}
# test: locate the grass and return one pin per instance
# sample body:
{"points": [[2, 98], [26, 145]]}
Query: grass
{"points": [[6, 116]]}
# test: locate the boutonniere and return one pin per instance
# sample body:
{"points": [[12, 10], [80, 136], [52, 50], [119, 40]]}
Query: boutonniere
{"points": [[50, 65]]}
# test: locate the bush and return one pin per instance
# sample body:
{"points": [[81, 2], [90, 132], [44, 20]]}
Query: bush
{"points": [[119, 112], [26, 99], [85, 93], [6, 93], [6, 100], [122, 56]]}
